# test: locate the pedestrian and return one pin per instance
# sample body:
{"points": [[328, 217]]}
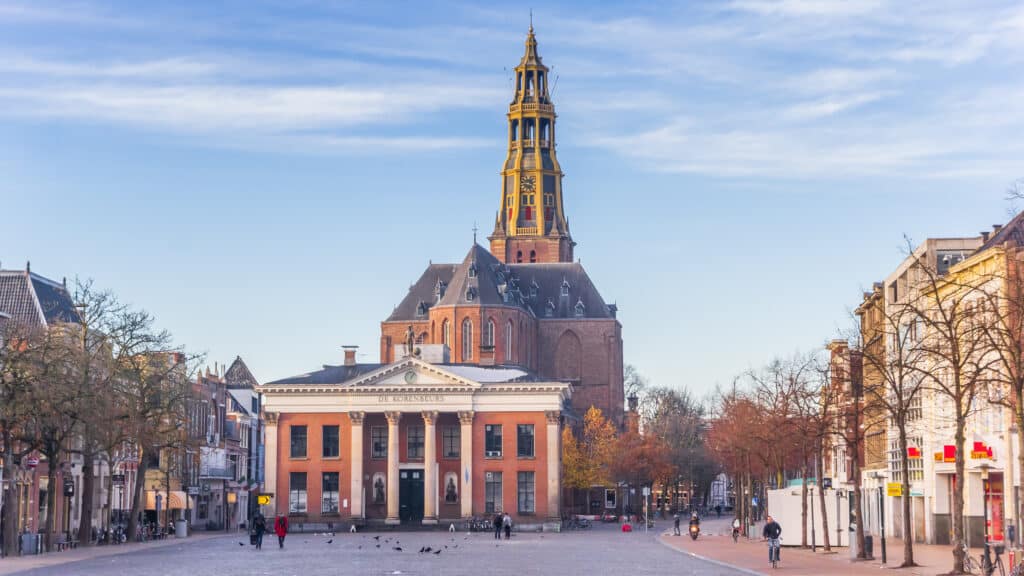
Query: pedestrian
{"points": [[507, 522], [498, 521], [259, 526], [281, 529], [676, 531], [718, 510]]}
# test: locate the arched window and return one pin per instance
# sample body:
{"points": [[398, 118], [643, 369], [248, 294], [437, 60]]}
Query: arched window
{"points": [[508, 342], [488, 337], [467, 340], [519, 256], [446, 333], [533, 255]]}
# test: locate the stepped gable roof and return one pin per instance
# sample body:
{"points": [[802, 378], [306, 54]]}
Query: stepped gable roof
{"points": [[330, 374], [483, 280], [239, 376], [1013, 232], [422, 293], [30, 299]]}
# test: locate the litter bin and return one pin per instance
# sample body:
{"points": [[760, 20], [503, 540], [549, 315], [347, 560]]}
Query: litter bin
{"points": [[180, 529], [869, 546], [29, 543]]}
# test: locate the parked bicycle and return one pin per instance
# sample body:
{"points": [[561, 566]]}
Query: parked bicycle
{"points": [[988, 566], [478, 524]]}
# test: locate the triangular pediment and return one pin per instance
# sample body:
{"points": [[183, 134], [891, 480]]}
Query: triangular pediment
{"points": [[413, 374]]}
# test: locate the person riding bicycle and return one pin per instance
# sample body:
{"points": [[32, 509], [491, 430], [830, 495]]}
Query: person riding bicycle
{"points": [[772, 531], [694, 519]]}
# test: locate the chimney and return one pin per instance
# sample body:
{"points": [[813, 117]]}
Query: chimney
{"points": [[996, 228], [984, 235], [350, 354]]}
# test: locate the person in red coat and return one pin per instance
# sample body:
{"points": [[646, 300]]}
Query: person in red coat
{"points": [[281, 529]]}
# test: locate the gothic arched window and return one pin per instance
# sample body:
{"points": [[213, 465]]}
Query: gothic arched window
{"points": [[508, 342], [467, 340], [446, 333], [488, 336], [533, 255]]}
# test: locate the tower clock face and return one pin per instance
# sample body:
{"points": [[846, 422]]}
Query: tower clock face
{"points": [[528, 183]]}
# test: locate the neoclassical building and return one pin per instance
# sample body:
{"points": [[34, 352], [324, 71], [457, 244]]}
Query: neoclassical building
{"points": [[482, 364]]}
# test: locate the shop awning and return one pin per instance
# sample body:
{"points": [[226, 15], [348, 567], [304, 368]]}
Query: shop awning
{"points": [[177, 500]]}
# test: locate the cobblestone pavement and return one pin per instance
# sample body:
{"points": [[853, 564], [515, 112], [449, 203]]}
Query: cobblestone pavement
{"points": [[602, 550]]}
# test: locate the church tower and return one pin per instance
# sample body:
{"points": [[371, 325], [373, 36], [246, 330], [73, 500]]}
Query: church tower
{"points": [[531, 225]]}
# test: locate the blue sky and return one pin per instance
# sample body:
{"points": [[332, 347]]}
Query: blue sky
{"points": [[268, 177]]}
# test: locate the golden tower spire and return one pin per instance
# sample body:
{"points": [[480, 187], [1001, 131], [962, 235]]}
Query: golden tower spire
{"points": [[531, 224]]}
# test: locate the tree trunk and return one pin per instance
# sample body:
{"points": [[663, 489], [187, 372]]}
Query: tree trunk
{"points": [[908, 540], [803, 504], [140, 479], [857, 506], [821, 500], [958, 495], [51, 499], [10, 511], [109, 508], [85, 524], [1019, 415]]}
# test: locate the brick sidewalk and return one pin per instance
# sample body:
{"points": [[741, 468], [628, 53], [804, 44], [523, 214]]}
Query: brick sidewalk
{"points": [[13, 564], [715, 544]]}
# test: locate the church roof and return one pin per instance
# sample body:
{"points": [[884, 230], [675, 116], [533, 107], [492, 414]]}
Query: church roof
{"points": [[481, 279], [32, 300]]}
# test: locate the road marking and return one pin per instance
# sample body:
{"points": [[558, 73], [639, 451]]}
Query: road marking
{"points": [[710, 560]]}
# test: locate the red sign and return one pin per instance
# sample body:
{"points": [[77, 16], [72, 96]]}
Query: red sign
{"points": [[981, 452], [949, 453], [31, 462], [913, 453]]}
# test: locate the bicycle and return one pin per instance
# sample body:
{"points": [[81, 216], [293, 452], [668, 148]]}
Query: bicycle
{"points": [[774, 547]]}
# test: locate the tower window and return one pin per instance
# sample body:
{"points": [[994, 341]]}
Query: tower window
{"points": [[488, 335], [467, 339], [565, 287], [528, 213], [508, 201], [580, 308]]}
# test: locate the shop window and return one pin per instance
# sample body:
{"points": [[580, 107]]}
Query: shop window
{"points": [[525, 489], [492, 492], [329, 493], [297, 493]]}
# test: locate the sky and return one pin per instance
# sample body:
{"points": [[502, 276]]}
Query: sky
{"points": [[268, 177]]}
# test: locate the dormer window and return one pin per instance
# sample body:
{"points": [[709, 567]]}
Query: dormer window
{"points": [[533, 289], [580, 308], [421, 308], [565, 287], [549, 309], [439, 290], [472, 270], [470, 294]]}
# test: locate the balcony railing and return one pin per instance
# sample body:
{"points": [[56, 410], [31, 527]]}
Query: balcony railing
{"points": [[526, 231], [531, 107], [218, 472]]}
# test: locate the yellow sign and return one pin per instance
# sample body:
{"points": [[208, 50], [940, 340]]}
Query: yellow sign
{"points": [[232, 498], [894, 489], [263, 499]]}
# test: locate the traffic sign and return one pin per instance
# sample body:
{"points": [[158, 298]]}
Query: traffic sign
{"points": [[263, 499]]}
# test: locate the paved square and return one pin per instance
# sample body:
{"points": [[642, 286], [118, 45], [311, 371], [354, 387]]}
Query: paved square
{"points": [[602, 550]]}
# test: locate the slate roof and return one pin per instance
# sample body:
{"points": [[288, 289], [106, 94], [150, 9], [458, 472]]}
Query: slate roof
{"points": [[481, 279], [329, 374], [239, 376], [33, 300], [1013, 232]]}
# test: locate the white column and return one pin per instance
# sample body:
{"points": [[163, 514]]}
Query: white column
{"points": [[554, 456], [393, 418], [466, 462], [429, 465], [356, 465], [270, 463]]}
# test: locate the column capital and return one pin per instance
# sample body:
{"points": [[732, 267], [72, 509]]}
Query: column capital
{"points": [[466, 416], [270, 418], [430, 417], [553, 416], [356, 418], [393, 416]]}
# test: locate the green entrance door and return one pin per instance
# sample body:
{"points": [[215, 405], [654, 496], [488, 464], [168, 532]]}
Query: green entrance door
{"points": [[410, 495]]}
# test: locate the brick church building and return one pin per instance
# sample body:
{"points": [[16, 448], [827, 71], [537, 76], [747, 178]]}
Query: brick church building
{"points": [[482, 364]]}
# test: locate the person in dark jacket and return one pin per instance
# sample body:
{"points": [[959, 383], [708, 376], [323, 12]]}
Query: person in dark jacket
{"points": [[498, 521], [259, 526], [772, 530], [281, 529]]}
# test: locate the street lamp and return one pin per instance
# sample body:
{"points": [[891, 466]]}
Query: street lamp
{"points": [[984, 467], [881, 509]]}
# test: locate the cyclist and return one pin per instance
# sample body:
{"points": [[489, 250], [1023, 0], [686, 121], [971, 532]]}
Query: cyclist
{"points": [[771, 532]]}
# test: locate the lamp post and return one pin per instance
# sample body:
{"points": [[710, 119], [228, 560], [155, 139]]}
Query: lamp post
{"points": [[984, 467], [881, 510], [814, 546]]}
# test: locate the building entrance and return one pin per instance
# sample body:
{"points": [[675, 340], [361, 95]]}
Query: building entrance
{"points": [[410, 495]]}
